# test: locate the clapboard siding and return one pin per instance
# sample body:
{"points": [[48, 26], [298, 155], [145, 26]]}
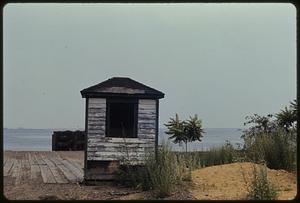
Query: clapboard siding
{"points": [[116, 148], [147, 102], [147, 119], [94, 104], [146, 116], [135, 156], [115, 140], [115, 154], [95, 121], [100, 147], [101, 143]]}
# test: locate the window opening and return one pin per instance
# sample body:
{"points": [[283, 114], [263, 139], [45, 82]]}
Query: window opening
{"points": [[121, 119]]}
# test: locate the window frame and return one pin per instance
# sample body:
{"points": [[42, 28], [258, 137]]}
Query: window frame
{"points": [[133, 101]]}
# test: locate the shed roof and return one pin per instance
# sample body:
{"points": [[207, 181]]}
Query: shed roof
{"points": [[121, 86]]}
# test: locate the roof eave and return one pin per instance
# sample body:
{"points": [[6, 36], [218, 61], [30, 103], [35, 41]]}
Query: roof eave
{"points": [[85, 94]]}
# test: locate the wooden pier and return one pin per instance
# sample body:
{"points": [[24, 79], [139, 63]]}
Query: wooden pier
{"points": [[51, 167]]}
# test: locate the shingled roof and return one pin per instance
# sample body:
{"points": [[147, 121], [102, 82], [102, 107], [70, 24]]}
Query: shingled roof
{"points": [[121, 86]]}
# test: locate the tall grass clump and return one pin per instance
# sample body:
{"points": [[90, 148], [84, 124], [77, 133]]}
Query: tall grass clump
{"points": [[260, 188], [191, 159], [187, 162], [164, 171], [276, 149], [161, 172], [221, 155]]}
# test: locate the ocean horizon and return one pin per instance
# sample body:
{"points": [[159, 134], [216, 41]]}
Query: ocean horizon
{"points": [[25, 139]]}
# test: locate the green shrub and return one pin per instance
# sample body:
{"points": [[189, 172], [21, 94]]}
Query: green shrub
{"points": [[260, 188], [276, 149]]}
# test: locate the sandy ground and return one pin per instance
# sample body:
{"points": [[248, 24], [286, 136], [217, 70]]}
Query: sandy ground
{"points": [[226, 182], [223, 182]]}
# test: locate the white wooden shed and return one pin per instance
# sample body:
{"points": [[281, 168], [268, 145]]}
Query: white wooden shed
{"points": [[121, 121]]}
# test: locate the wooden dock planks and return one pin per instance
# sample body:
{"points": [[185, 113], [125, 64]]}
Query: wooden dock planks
{"points": [[67, 169], [25, 170], [55, 159], [59, 178], [46, 174], [49, 167], [32, 159], [77, 172], [34, 171], [69, 175], [38, 158], [8, 166], [4, 160], [16, 171]]}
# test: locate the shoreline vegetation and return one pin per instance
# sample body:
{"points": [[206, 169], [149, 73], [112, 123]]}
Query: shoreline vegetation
{"points": [[269, 142]]}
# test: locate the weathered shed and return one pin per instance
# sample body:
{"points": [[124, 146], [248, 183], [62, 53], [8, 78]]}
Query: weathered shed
{"points": [[121, 122]]}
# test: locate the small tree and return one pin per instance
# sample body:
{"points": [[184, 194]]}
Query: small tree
{"points": [[176, 129], [285, 118], [193, 128], [185, 131]]}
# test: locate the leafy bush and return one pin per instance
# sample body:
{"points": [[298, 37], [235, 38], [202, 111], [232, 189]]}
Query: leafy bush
{"points": [[272, 141], [277, 149], [260, 188]]}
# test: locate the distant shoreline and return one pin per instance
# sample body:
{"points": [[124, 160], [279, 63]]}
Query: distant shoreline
{"points": [[84, 129], [24, 139]]}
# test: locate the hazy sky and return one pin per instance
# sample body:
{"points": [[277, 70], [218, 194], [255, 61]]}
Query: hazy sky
{"points": [[220, 61]]}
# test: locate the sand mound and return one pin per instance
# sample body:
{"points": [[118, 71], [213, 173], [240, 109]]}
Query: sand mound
{"points": [[226, 182]]}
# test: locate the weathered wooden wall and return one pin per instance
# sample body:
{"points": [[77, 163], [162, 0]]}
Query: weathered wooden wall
{"points": [[100, 147], [147, 119]]}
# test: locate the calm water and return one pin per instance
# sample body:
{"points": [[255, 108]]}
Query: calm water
{"points": [[41, 139]]}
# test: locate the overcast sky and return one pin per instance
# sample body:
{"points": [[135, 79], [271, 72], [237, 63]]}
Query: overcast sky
{"points": [[220, 61]]}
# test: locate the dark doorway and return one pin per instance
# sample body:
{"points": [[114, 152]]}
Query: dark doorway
{"points": [[121, 119]]}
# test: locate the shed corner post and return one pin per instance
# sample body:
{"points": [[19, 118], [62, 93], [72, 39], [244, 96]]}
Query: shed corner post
{"points": [[86, 135], [157, 128]]}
